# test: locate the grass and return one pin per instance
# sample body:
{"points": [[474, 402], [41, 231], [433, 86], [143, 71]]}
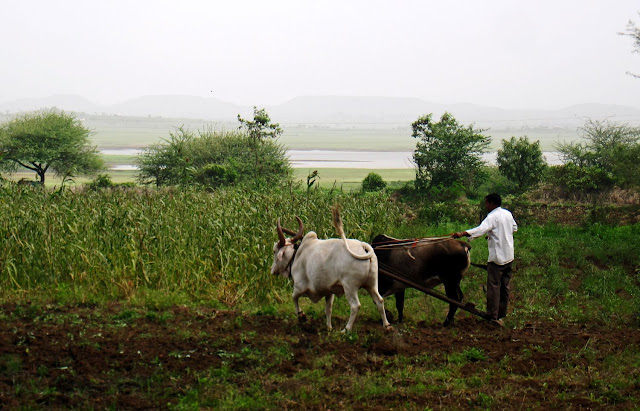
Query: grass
{"points": [[118, 159], [136, 132], [351, 178], [339, 178]]}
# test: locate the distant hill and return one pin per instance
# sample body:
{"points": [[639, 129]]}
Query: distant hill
{"points": [[62, 101], [178, 106], [359, 112]]}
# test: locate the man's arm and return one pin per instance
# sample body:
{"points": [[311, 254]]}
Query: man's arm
{"points": [[476, 232], [460, 234]]}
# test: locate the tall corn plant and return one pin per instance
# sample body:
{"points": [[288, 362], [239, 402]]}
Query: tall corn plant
{"points": [[217, 245]]}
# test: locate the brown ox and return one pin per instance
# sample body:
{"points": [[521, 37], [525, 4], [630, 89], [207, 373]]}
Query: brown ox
{"points": [[429, 263]]}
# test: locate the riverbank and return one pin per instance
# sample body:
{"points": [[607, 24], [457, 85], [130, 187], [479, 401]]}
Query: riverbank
{"points": [[124, 159]]}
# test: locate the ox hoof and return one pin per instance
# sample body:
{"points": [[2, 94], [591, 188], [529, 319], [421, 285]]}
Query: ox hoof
{"points": [[302, 317], [389, 315], [447, 322], [388, 328]]}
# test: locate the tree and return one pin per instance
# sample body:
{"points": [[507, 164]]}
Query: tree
{"points": [[607, 156], [261, 127], [259, 130], [48, 140], [633, 31], [521, 162], [447, 152]]}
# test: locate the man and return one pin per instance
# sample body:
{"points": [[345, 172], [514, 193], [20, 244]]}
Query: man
{"points": [[499, 225]]}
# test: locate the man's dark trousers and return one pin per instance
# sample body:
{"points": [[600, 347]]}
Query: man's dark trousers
{"points": [[498, 278]]}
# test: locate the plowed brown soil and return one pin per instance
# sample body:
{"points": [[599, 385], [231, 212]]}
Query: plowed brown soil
{"points": [[95, 358]]}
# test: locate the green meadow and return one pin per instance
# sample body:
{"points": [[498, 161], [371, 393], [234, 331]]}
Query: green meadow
{"points": [[137, 132]]}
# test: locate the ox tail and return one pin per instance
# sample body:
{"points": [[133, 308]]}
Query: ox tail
{"points": [[337, 224]]}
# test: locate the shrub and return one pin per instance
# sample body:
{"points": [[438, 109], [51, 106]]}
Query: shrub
{"points": [[215, 175], [607, 156], [101, 181], [494, 182], [575, 179], [213, 158], [373, 182]]}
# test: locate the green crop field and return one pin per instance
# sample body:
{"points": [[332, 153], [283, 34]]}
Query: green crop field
{"points": [[142, 298]]}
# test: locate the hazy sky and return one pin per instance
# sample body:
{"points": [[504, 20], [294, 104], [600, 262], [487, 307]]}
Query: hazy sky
{"points": [[510, 54]]}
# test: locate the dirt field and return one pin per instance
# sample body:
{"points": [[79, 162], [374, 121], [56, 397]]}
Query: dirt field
{"points": [[95, 358]]}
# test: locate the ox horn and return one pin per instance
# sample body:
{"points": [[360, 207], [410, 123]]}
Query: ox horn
{"points": [[281, 240], [300, 232], [296, 235]]}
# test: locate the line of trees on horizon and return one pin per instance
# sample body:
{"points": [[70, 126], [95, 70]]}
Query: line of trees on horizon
{"points": [[447, 156]]}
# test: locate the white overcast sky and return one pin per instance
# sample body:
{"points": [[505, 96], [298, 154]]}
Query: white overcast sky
{"points": [[503, 53]]}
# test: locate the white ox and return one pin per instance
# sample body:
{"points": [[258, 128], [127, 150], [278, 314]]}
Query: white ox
{"points": [[325, 268]]}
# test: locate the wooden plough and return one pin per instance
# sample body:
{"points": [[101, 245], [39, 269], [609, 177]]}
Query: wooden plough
{"points": [[391, 273]]}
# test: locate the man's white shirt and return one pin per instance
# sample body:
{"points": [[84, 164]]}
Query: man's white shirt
{"points": [[500, 226]]}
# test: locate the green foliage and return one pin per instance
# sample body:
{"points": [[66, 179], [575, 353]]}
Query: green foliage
{"points": [[213, 159], [521, 162], [131, 243], [259, 131], [447, 152], [373, 182], [446, 193], [261, 127], [608, 157], [495, 182], [312, 179], [167, 163], [576, 179], [101, 181], [439, 204], [48, 140], [441, 212], [215, 175]]}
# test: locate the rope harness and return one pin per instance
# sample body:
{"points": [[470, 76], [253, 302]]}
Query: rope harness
{"points": [[408, 244], [295, 251]]}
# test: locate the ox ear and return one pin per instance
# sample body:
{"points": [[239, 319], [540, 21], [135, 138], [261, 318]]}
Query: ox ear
{"points": [[280, 254]]}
